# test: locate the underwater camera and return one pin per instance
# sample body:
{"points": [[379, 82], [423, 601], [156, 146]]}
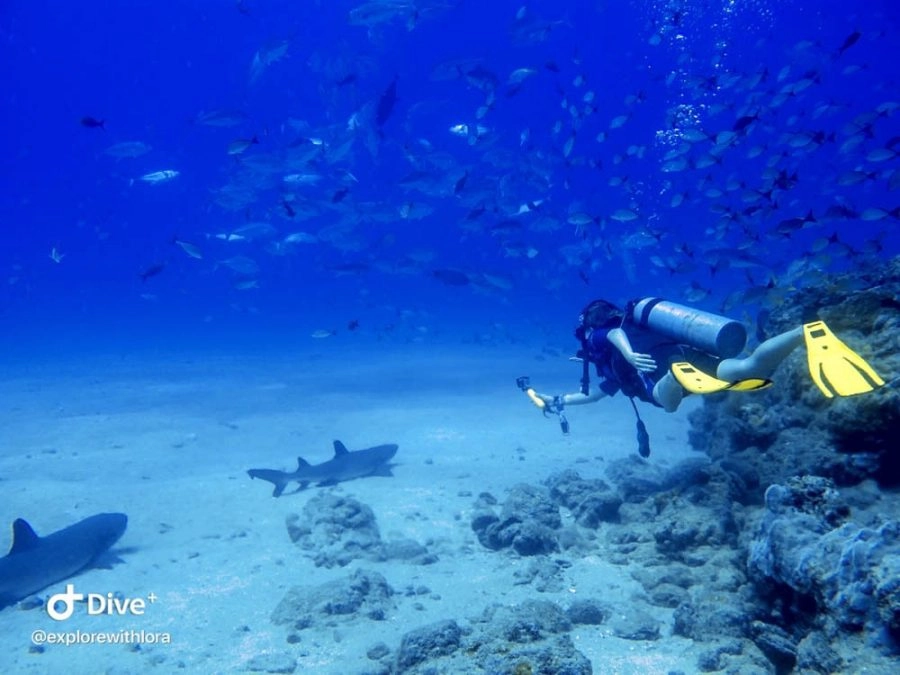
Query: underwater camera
{"points": [[524, 384]]}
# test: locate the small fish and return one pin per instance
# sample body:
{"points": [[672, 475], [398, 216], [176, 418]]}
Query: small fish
{"points": [[56, 256], [744, 122], [495, 282], [569, 145], [460, 130], [241, 265], [451, 277], [190, 249], [157, 177], [880, 155], [322, 333], [151, 271], [93, 123], [694, 135], [302, 178], [696, 292], [674, 165], [855, 177], [624, 215], [221, 118], [873, 214], [266, 56], [128, 149], [787, 227], [349, 269], [849, 41], [382, 11], [822, 243], [678, 199], [755, 151], [841, 211], [519, 75], [581, 219], [240, 146], [301, 238], [226, 236], [725, 138], [460, 183], [386, 104], [528, 207], [255, 230]]}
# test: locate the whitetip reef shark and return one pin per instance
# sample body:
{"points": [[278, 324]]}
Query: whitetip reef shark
{"points": [[345, 465], [34, 562]]}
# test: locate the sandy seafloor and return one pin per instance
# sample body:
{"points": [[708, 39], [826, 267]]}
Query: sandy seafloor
{"points": [[167, 439]]}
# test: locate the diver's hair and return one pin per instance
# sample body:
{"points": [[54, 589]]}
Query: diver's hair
{"points": [[602, 314]]}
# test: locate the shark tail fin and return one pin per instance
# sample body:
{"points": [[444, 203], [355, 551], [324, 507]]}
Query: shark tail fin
{"points": [[279, 479]]}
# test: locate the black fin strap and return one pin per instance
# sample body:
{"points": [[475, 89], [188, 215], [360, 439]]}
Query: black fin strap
{"points": [[643, 438], [585, 369]]}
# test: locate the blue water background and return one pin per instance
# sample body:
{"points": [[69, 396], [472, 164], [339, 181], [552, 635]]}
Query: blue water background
{"points": [[149, 68]]}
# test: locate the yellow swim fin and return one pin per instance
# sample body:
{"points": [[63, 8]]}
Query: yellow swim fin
{"points": [[698, 382], [835, 368], [750, 384]]}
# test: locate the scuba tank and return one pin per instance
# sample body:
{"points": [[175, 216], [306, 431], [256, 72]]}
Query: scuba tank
{"points": [[716, 335]]}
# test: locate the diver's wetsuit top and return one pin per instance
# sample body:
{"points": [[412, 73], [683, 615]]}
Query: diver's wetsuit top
{"points": [[619, 375]]}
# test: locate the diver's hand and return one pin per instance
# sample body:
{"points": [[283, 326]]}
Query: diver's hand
{"points": [[548, 401], [643, 363], [541, 401]]}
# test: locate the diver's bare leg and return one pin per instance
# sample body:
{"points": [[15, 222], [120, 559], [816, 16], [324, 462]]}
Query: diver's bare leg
{"points": [[762, 362], [668, 392]]}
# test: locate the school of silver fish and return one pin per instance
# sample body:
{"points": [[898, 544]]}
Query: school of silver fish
{"points": [[697, 174]]}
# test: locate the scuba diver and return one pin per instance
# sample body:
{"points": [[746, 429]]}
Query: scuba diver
{"points": [[659, 352]]}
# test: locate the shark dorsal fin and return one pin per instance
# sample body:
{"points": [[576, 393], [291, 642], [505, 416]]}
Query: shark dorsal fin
{"points": [[301, 463], [340, 449], [24, 538]]}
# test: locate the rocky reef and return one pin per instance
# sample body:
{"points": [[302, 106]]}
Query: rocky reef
{"points": [[529, 638], [529, 521], [362, 594], [791, 428], [812, 483], [825, 571], [336, 530]]}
